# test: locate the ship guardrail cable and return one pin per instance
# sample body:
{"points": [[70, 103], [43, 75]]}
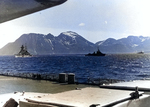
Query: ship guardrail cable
{"points": [[133, 95], [125, 88]]}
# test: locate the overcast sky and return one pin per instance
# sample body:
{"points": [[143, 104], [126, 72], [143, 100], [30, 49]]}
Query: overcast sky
{"points": [[95, 20]]}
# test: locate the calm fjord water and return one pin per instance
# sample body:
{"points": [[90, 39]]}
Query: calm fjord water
{"points": [[115, 66]]}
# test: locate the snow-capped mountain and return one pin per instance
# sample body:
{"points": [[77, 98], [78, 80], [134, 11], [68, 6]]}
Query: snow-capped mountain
{"points": [[73, 43], [39, 44], [129, 44]]}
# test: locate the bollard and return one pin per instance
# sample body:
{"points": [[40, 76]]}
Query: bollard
{"points": [[71, 78], [62, 77]]}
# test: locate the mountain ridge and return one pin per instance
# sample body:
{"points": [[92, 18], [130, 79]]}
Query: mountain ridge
{"points": [[72, 43], [131, 44], [39, 44]]}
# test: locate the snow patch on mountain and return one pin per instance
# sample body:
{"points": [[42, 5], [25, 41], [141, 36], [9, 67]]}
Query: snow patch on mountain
{"points": [[71, 34], [142, 40], [67, 43], [100, 43]]}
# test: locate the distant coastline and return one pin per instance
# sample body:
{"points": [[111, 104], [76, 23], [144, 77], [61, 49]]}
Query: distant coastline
{"points": [[72, 43]]}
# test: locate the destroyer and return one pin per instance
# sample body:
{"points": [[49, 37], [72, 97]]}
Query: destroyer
{"points": [[140, 52], [98, 53]]}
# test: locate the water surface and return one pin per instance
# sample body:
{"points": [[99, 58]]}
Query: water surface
{"points": [[117, 66]]}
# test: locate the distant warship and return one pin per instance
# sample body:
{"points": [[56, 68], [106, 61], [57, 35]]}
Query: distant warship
{"points": [[98, 53], [23, 52], [140, 52]]}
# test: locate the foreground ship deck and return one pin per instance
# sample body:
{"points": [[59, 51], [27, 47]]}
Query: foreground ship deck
{"points": [[77, 98], [84, 97]]}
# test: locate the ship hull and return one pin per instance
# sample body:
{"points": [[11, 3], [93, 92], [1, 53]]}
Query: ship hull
{"points": [[23, 56], [95, 54]]}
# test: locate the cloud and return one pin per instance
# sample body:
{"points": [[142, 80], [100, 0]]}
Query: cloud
{"points": [[82, 24], [105, 22]]}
